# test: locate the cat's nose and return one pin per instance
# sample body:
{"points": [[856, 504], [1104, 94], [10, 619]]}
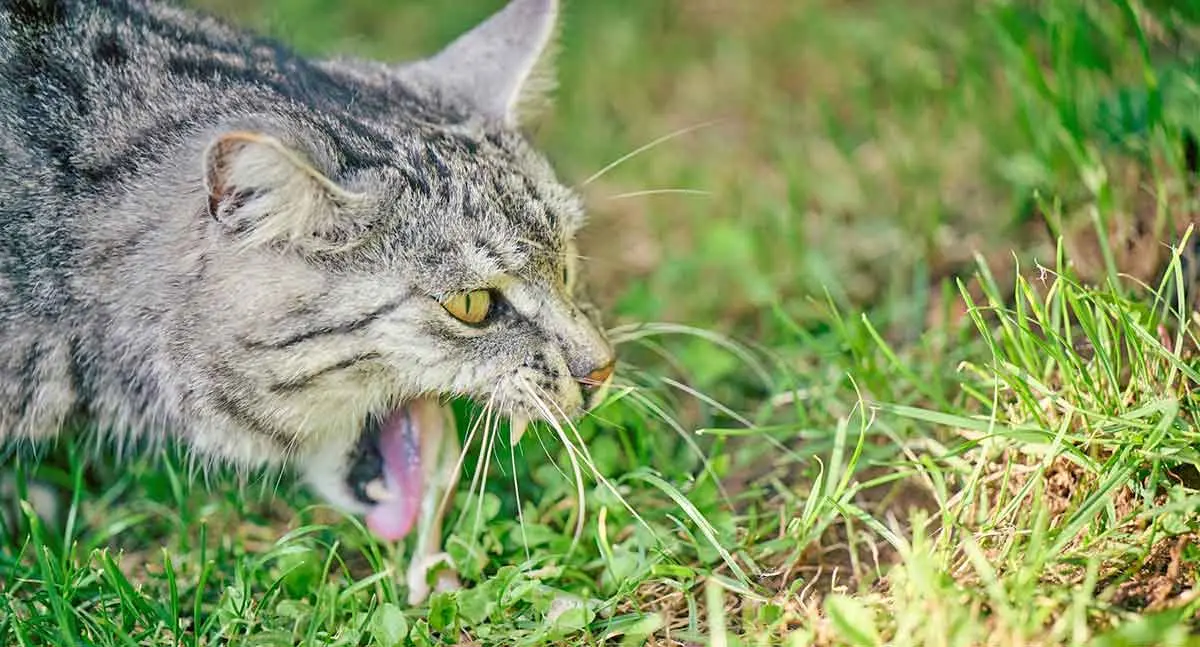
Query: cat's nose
{"points": [[597, 377]]}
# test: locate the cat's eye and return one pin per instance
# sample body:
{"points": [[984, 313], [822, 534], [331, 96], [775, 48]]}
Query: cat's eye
{"points": [[469, 307], [570, 268]]}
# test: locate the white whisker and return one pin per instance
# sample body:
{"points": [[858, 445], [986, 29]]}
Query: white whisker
{"points": [[559, 253], [645, 147], [485, 453], [512, 460], [650, 406], [585, 454], [448, 495], [634, 332], [542, 441], [580, 492], [709, 400], [649, 192]]}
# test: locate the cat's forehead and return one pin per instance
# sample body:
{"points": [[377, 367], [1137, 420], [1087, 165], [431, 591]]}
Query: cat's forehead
{"points": [[488, 206]]}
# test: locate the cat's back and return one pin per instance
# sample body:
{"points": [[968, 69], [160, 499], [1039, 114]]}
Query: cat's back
{"points": [[92, 89]]}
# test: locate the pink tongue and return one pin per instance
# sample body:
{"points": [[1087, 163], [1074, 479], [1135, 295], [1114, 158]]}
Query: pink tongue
{"points": [[398, 443]]}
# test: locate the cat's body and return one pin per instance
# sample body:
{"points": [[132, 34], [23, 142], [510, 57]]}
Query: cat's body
{"points": [[206, 237]]}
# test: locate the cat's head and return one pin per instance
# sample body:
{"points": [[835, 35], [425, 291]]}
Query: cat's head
{"points": [[363, 262]]}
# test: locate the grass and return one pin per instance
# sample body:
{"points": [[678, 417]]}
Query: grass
{"points": [[956, 414]]}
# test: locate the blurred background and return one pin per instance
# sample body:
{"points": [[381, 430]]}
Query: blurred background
{"points": [[851, 153], [839, 146], [812, 178]]}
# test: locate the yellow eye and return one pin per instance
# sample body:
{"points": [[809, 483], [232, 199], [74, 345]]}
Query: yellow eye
{"points": [[469, 307]]}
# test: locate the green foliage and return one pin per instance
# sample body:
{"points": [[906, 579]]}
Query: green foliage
{"points": [[855, 475]]}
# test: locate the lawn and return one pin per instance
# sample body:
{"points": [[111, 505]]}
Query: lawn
{"points": [[904, 294]]}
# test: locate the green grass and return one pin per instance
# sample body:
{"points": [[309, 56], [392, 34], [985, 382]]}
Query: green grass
{"points": [[904, 446]]}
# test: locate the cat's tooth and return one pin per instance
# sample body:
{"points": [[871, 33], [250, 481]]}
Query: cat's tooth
{"points": [[378, 491], [517, 426]]}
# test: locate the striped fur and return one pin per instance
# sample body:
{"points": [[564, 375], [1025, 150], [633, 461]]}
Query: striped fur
{"points": [[204, 236]]}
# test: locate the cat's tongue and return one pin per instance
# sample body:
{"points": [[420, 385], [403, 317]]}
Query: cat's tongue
{"points": [[399, 444]]}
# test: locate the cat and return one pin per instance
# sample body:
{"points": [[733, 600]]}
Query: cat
{"points": [[282, 261]]}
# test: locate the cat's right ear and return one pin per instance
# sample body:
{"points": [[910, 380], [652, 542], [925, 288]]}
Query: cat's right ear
{"points": [[504, 66], [261, 191]]}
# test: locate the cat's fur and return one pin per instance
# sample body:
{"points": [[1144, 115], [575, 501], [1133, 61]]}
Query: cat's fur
{"points": [[205, 237]]}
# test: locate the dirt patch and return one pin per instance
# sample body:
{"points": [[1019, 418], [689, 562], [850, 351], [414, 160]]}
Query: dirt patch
{"points": [[1065, 481], [685, 613], [1165, 580], [847, 559]]}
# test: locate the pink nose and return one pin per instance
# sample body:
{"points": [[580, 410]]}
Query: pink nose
{"points": [[598, 377]]}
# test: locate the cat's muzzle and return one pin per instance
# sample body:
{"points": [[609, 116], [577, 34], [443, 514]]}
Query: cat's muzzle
{"points": [[402, 457]]}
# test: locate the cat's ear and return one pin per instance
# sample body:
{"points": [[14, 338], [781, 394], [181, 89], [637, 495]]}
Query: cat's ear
{"points": [[264, 192], [503, 68]]}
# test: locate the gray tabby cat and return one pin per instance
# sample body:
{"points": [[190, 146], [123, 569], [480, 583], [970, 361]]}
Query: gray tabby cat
{"points": [[281, 261]]}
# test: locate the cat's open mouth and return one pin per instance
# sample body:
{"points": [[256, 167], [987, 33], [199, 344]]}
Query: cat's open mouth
{"points": [[403, 464], [401, 470], [397, 490], [390, 465]]}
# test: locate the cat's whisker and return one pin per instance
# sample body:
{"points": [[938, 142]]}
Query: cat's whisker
{"points": [[521, 384], [478, 484], [662, 353], [562, 253], [532, 243], [624, 383], [546, 450], [591, 413], [652, 192], [628, 333], [512, 461], [645, 147], [462, 456], [619, 390], [278, 482], [586, 456], [649, 406], [717, 404], [572, 451], [485, 455], [709, 400]]}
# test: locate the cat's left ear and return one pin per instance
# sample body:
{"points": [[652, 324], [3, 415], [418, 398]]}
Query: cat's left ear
{"points": [[503, 67], [262, 191]]}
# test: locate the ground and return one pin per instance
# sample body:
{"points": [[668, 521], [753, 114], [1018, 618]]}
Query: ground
{"points": [[884, 382]]}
